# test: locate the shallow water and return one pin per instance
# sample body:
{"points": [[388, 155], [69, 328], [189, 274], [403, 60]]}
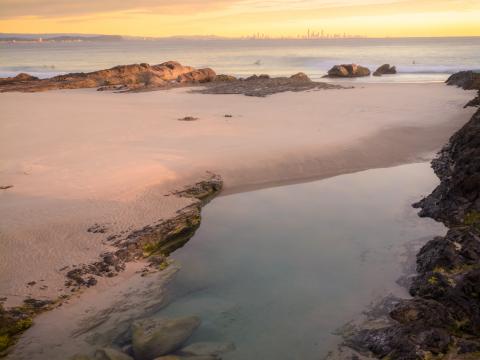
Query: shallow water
{"points": [[417, 59], [276, 271]]}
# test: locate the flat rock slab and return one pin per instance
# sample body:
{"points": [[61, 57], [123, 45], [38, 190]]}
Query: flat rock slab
{"points": [[262, 86]]}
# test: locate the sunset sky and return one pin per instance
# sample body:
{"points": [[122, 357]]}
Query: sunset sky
{"points": [[242, 17]]}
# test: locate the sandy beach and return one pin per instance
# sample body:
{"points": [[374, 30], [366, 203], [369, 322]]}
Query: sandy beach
{"points": [[76, 158]]}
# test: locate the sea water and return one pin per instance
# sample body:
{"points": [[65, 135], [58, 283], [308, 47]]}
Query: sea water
{"points": [[417, 59], [278, 271]]}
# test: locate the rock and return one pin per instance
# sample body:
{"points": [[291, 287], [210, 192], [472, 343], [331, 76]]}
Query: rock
{"points": [[348, 70], [443, 317], [223, 77], [111, 354], [300, 77], [424, 312], [5, 187], [122, 77], [188, 118], [207, 348], [467, 80], [22, 77], [468, 346], [385, 69], [154, 338], [264, 85], [197, 76]]}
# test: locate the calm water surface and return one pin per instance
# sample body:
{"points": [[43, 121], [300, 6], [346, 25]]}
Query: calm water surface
{"points": [[417, 59], [276, 271]]}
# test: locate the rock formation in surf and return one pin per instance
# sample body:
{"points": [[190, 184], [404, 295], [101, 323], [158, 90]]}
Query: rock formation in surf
{"points": [[348, 71], [123, 77], [385, 69]]}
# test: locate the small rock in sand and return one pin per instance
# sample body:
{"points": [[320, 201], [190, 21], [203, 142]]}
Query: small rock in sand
{"points": [[154, 338], [188, 118], [5, 187]]}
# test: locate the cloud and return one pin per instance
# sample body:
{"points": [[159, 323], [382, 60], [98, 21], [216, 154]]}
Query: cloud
{"points": [[185, 8], [62, 8]]}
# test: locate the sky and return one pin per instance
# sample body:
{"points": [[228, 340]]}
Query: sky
{"points": [[236, 18]]}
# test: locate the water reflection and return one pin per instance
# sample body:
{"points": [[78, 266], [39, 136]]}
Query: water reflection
{"points": [[278, 270]]}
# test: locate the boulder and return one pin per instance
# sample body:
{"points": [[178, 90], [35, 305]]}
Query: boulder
{"points": [[111, 354], [154, 338], [348, 70], [197, 76], [300, 77], [467, 80], [207, 348], [385, 69]]}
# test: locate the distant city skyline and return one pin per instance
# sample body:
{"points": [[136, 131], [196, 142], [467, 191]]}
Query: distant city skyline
{"points": [[243, 18]]}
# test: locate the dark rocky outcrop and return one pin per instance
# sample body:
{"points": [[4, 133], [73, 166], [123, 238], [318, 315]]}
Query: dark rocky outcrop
{"points": [[467, 80], [442, 320], [155, 241], [264, 85], [348, 71], [16, 320], [385, 69], [123, 77]]}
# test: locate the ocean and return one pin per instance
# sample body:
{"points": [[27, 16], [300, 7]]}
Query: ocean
{"points": [[417, 59]]}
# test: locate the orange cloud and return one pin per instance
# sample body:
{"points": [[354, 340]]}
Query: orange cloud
{"points": [[243, 17]]}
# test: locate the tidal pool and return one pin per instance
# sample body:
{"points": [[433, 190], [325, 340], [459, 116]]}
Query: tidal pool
{"points": [[277, 271]]}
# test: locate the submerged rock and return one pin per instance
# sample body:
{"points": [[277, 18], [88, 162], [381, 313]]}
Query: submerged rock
{"points": [[154, 338], [385, 69], [348, 70]]}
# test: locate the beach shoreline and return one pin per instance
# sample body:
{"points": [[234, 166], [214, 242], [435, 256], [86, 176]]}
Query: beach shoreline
{"points": [[110, 159]]}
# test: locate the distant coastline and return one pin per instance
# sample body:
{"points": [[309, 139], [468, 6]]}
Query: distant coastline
{"points": [[40, 38]]}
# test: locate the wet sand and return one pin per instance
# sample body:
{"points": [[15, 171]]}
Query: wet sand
{"points": [[79, 157]]}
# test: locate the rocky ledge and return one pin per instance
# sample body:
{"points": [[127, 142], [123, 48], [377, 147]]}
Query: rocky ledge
{"points": [[442, 319], [123, 77], [263, 85], [171, 74], [153, 243]]}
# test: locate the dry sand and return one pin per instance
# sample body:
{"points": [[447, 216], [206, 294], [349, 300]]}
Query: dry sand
{"points": [[80, 157]]}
